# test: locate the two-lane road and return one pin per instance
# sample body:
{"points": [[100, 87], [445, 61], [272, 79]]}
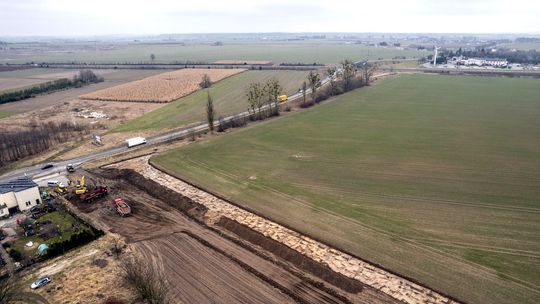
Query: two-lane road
{"points": [[36, 171]]}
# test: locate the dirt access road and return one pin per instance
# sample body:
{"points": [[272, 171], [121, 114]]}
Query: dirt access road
{"points": [[201, 264]]}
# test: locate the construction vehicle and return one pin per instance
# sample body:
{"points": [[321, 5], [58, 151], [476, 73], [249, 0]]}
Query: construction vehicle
{"points": [[81, 187], [70, 168], [98, 192], [121, 207], [282, 98], [61, 188]]}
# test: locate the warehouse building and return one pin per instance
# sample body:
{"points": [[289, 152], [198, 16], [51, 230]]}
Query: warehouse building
{"points": [[18, 195], [494, 62]]}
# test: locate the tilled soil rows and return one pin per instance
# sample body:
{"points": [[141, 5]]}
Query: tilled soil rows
{"points": [[397, 287], [200, 264]]}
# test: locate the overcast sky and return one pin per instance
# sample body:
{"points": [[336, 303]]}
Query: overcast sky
{"points": [[99, 17]]}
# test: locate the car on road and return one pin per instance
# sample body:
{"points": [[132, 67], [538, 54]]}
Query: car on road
{"points": [[40, 282], [70, 168], [47, 166]]}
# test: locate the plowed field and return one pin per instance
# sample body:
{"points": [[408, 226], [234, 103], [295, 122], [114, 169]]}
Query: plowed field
{"points": [[200, 265]]}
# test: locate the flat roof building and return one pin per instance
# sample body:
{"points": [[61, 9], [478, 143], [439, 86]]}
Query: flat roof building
{"points": [[494, 62]]}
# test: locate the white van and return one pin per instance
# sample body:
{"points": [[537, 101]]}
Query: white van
{"points": [[52, 183]]}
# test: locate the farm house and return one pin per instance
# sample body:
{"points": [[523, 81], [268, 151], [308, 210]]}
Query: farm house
{"points": [[18, 195]]}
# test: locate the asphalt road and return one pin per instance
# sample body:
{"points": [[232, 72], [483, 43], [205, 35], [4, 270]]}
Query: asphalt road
{"points": [[36, 172]]}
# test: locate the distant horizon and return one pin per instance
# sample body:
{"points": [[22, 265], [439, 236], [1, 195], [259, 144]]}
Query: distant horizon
{"points": [[532, 34], [61, 18]]}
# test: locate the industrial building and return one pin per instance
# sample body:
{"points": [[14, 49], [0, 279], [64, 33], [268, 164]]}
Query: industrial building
{"points": [[18, 195], [494, 62]]}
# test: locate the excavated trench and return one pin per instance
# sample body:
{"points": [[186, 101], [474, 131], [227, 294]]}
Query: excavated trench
{"points": [[299, 260], [182, 203], [197, 211]]}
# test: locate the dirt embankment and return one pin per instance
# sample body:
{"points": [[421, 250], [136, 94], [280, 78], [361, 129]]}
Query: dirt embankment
{"points": [[399, 288], [319, 270], [197, 212], [182, 203], [200, 262]]}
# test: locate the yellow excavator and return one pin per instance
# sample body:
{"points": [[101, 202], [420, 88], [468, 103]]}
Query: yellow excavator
{"points": [[81, 187], [61, 188]]}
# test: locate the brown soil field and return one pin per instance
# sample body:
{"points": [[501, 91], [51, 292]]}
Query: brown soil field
{"points": [[164, 87], [242, 62], [112, 78], [8, 83], [201, 264]]}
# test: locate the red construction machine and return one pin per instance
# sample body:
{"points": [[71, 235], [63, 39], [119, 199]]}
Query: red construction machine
{"points": [[98, 192]]}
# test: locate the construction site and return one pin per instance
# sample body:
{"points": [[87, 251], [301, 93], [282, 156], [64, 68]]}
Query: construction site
{"points": [[200, 251], [208, 249]]}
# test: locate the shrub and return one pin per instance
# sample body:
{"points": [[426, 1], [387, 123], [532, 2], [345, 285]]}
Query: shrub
{"points": [[82, 237], [15, 254], [149, 283]]}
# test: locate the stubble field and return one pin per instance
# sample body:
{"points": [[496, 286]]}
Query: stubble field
{"points": [[229, 96], [160, 88], [435, 177]]}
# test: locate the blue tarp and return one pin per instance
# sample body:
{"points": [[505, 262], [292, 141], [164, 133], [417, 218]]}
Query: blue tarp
{"points": [[42, 249]]}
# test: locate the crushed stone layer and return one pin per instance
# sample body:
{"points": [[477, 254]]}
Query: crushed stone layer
{"points": [[391, 284]]}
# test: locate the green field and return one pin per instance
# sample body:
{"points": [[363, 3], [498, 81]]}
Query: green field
{"points": [[65, 223], [31, 73], [435, 177], [229, 97], [277, 52], [522, 45], [5, 114]]}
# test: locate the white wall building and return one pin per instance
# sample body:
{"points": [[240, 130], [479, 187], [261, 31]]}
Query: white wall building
{"points": [[18, 194], [494, 62]]}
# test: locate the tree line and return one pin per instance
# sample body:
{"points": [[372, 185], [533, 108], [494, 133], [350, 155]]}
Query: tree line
{"points": [[513, 56], [344, 78], [262, 98], [84, 77], [18, 145]]}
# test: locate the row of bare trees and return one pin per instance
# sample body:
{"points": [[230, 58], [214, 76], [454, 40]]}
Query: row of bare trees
{"points": [[344, 78], [348, 76], [20, 144], [259, 94], [84, 77]]}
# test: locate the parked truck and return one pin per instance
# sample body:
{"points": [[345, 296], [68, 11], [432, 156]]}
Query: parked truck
{"points": [[135, 141], [122, 207]]}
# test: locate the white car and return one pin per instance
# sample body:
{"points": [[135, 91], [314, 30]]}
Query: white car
{"points": [[40, 282]]}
